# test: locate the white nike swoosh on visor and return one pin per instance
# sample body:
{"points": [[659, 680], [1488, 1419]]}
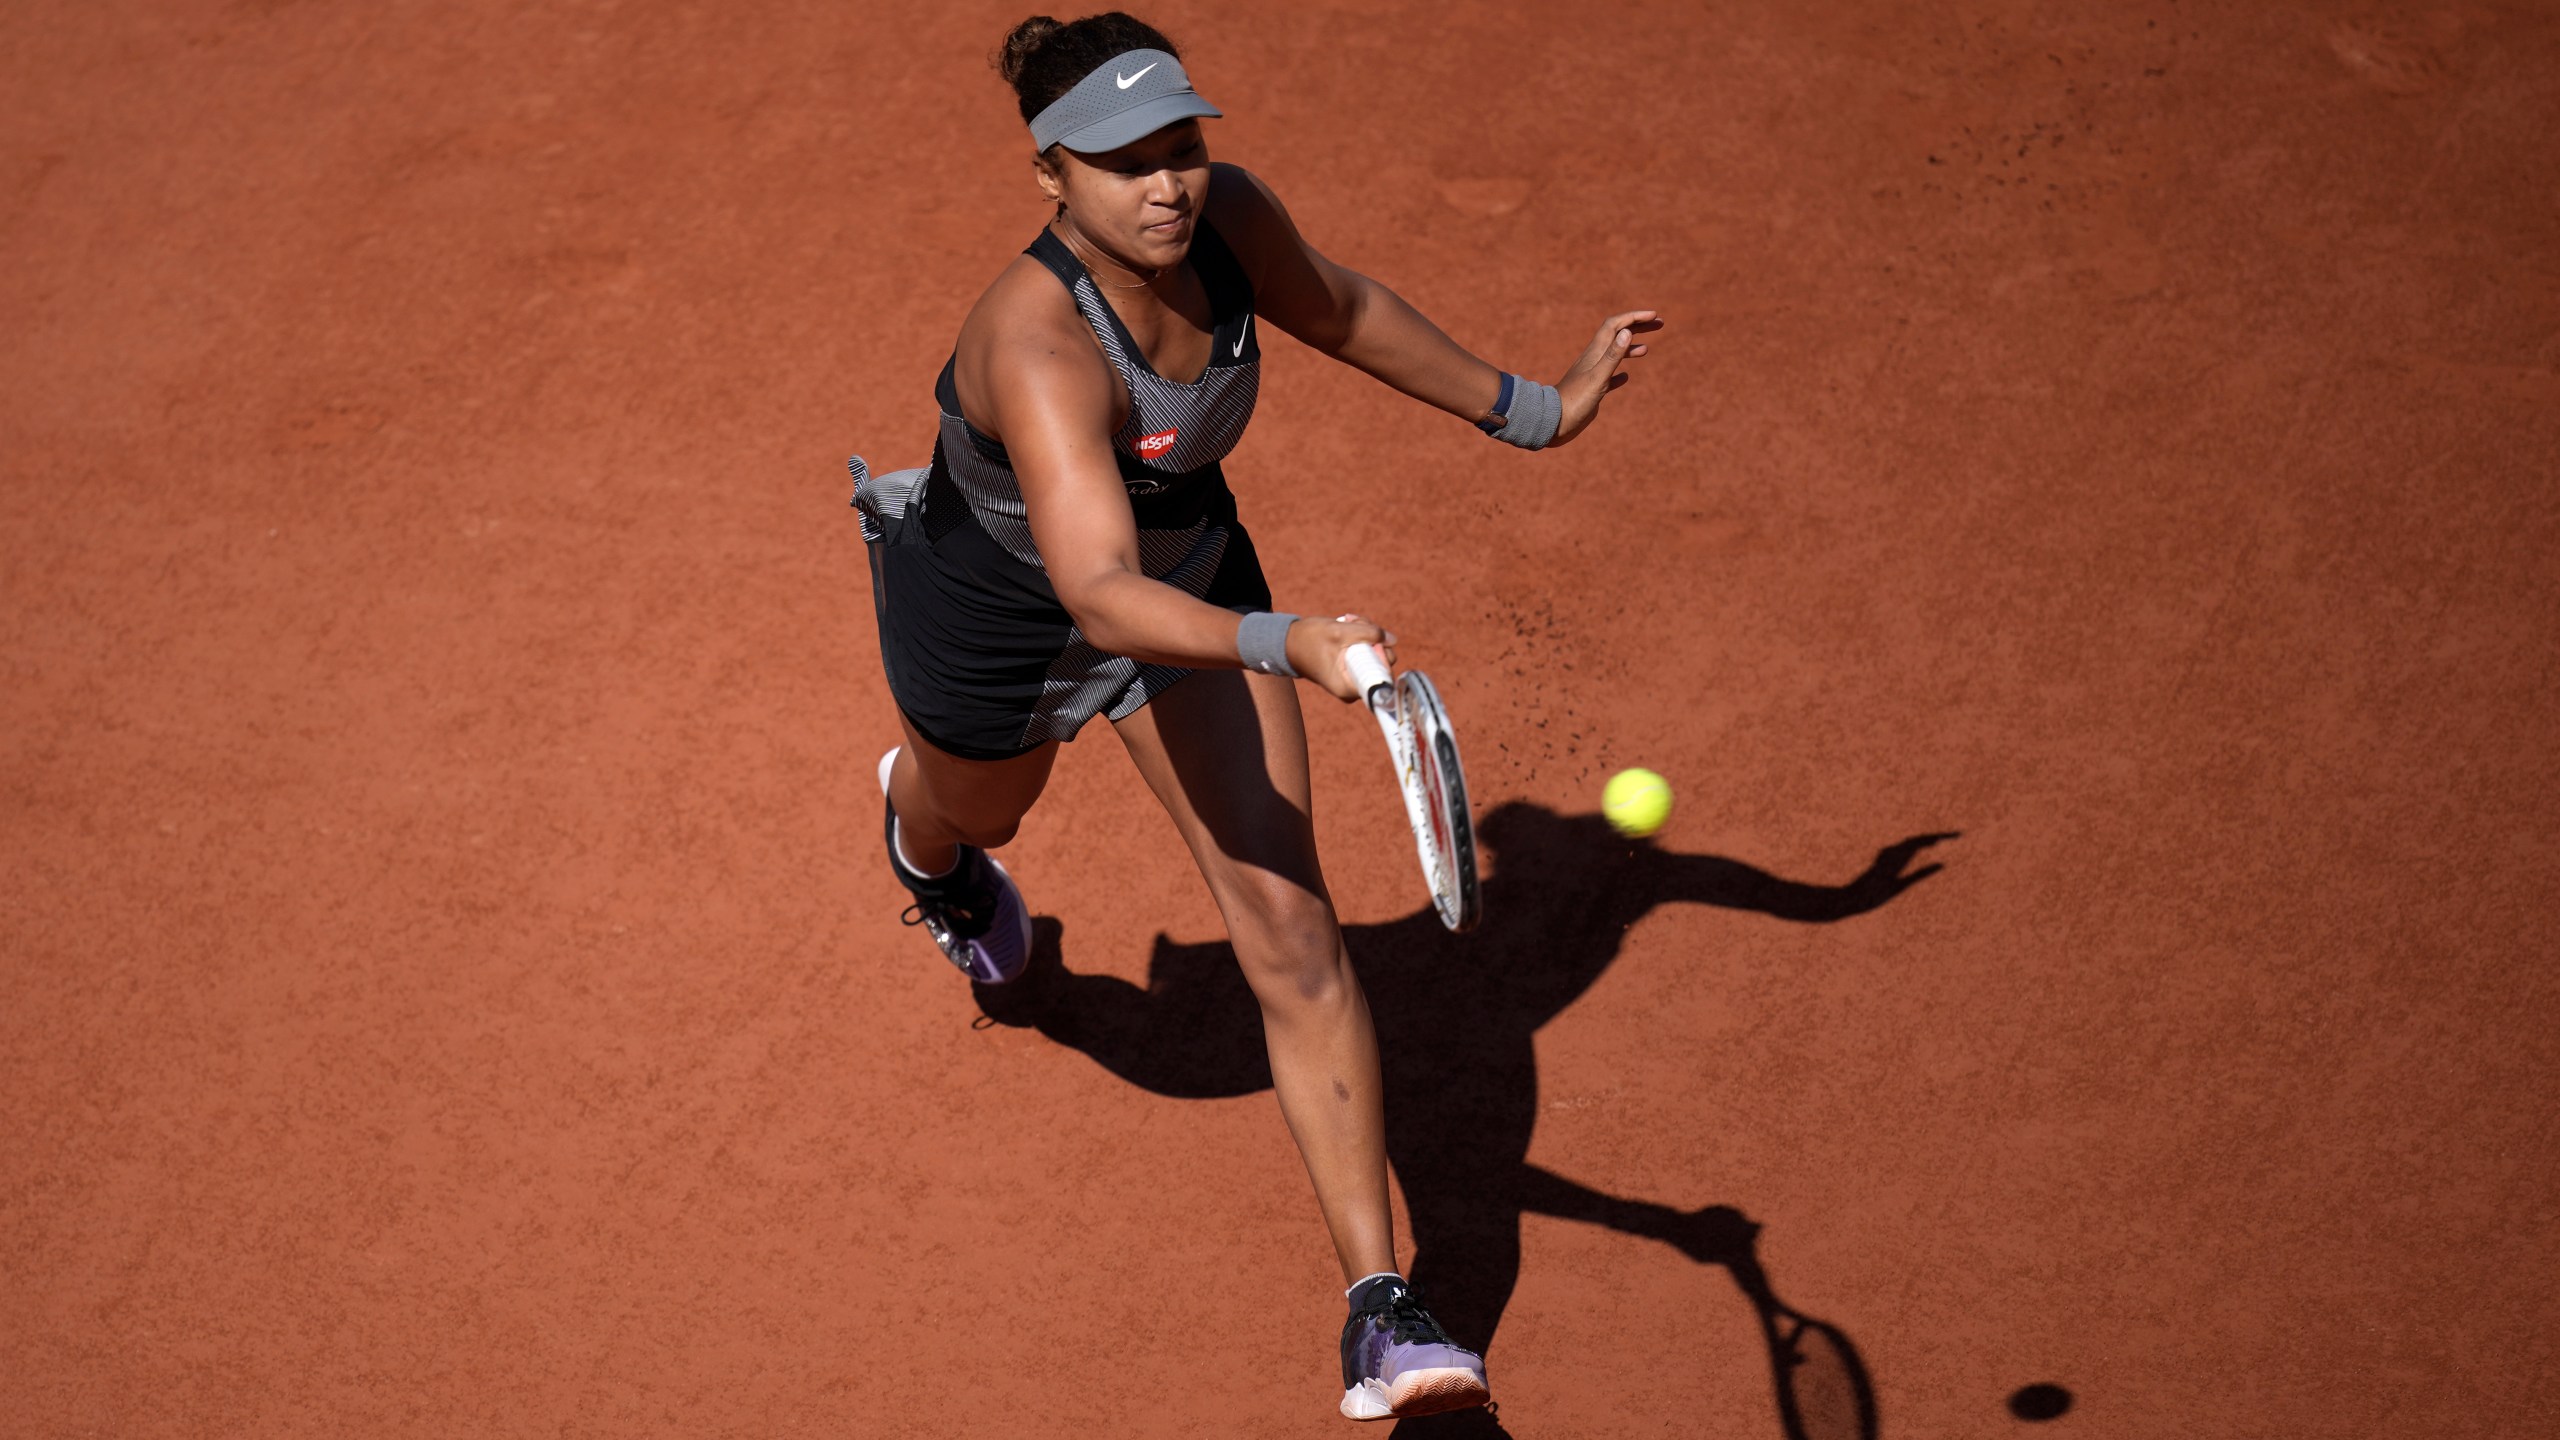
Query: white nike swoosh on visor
{"points": [[1128, 80], [1241, 334]]}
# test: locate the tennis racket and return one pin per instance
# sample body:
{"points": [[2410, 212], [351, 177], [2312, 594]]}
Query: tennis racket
{"points": [[1425, 751]]}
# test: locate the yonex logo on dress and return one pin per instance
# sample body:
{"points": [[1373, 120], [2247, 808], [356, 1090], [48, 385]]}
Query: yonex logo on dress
{"points": [[1151, 446]]}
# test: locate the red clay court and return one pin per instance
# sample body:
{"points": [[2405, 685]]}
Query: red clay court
{"points": [[451, 987]]}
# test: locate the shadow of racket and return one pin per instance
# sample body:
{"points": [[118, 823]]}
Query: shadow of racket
{"points": [[1823, 1392], [1822, 1386], [1461, 1068]]}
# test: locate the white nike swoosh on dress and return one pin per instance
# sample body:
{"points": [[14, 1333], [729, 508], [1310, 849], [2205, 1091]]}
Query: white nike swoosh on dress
{"points": [[1128, 80], [1241, 334]]}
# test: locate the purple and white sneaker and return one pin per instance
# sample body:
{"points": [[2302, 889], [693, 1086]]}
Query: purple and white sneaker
{"points": [[974, 913], [1397, 1361]]}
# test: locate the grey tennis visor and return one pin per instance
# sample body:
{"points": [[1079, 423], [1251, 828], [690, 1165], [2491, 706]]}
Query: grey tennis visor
{"points": [[1132, 96]]}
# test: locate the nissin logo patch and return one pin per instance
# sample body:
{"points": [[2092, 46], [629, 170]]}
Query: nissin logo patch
{"points": [[1153, 447]]}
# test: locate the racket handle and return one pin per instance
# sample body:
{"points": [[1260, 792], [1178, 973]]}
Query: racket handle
{"points": [[1368, 669]]}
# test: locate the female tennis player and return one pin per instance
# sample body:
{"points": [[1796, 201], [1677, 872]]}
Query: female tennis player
{"points": [[1073, 551]]}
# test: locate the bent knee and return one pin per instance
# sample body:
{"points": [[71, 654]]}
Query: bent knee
{"points": [[1287, 940]]}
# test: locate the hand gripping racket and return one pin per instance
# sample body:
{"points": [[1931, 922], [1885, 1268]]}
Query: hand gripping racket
{"points": [[1425, 751]]}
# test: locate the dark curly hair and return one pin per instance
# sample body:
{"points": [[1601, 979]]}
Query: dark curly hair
{"points": [[1042, 59]]}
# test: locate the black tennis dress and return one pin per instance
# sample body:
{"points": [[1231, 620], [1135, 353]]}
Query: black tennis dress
{"points": [[981, 657]]}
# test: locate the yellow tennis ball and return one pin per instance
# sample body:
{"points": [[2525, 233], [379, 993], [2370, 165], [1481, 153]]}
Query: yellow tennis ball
{"points": [[1636, 802]]}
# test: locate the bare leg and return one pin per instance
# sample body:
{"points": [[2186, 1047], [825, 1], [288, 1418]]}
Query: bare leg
{"points": [[1226, 753], [944, 801]]}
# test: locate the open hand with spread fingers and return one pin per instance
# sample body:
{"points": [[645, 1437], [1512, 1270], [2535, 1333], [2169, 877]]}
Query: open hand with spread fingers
{"points": [[1620, 339]]}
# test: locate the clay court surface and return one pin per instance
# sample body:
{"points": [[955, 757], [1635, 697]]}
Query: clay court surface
{"points": [[451, 984]]}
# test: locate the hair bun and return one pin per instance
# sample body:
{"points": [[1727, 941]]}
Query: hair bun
{"points": [[1042, 59], [1022, 43]]}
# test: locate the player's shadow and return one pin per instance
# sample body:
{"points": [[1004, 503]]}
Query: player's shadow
{"points": [[1456, 1017]]}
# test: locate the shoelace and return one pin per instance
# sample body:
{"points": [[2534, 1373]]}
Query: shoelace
{"points": [[960, 918], [969, 915], [1409, 1324]]}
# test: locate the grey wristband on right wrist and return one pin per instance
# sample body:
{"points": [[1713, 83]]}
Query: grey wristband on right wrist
{"points": [[1262, 642]]}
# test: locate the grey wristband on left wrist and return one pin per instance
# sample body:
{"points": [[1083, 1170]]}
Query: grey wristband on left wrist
{"points": [[1526, 413]]}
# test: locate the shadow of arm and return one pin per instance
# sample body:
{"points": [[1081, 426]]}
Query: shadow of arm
{"points": [[1711, 1235], [1822, 1388], [1714, 880]]}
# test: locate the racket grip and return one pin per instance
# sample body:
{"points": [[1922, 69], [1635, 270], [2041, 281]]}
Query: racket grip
{"points": [[1368, 670]]}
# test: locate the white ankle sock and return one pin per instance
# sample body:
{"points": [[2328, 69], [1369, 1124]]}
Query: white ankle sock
{"points": [[910, 861], [1365, 1279]]}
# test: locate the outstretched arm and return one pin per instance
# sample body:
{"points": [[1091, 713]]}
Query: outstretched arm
{"points": [[1367, 326]]}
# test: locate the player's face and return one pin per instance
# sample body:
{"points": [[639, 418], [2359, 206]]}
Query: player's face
{"points": [[1139, 203]]}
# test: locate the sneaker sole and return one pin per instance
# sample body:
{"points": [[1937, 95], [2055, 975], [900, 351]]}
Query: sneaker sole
{"points": [[1416, 1392], [1428, 1392]]}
